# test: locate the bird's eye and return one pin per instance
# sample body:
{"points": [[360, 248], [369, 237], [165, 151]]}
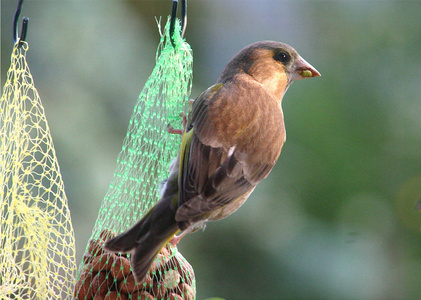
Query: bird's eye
{"points": [[282, 57]]}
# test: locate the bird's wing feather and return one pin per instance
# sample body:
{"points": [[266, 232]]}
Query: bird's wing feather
{"points": [[212, 174]]}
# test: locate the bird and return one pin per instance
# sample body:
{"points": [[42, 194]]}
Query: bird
{"points": [[232, 138]]}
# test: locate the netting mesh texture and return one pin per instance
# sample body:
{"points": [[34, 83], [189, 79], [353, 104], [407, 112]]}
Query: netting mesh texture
{"points": [[37, 259], [142, 165]]}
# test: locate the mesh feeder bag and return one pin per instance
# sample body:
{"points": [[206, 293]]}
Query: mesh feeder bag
{"points": [[37, 258], [142, 165]]}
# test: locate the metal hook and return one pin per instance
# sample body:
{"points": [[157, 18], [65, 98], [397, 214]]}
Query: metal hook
{"points": [[15, 26], [174, 17]]}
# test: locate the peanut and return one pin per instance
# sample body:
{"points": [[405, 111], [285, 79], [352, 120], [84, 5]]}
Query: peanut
{"points": [[106, 234], [120, 268], [95, 247], [142, 295], [113, 295], [104, 261], [87, 258], [171, 279], [102, 283], [158, 290], [174, 296], [186, 291], [183, 268], [83, 288], [129, 284]]}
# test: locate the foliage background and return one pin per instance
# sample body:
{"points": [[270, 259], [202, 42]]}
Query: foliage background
{"points": [[336, 218]]}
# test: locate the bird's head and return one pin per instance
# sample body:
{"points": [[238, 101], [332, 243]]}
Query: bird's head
{"points": [[273, 64]]}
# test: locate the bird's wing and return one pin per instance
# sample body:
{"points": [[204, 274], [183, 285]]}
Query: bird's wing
{"points": [[213, 173]]}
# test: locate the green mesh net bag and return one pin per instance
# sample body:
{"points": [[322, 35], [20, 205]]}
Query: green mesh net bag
{"points": [[142, 165], [37, 258]]}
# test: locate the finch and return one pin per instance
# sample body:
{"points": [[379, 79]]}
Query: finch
{"points": [[233, 137]]}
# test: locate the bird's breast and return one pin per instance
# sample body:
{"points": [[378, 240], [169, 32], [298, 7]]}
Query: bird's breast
{"points": [[248, 118]]}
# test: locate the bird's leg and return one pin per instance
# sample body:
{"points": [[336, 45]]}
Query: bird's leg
{"points": [[190, 229], [176, 238]]}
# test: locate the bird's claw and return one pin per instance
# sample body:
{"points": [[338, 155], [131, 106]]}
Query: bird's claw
{"points": [[171, 130]]}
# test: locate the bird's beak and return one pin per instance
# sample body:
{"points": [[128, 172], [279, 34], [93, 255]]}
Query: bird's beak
{"points": [[304, 70]]}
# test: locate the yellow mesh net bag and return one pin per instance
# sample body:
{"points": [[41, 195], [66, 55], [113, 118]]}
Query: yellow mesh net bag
{"points": [[37, 259]]}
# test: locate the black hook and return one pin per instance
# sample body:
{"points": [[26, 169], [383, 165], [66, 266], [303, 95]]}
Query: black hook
{"points": [[15, 26], [174, 17]]}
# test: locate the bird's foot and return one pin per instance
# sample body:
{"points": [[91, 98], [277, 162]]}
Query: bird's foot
{"points": [[171, 130]]}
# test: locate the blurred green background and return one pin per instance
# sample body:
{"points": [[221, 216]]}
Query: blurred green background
{"points": [[335, 219]]}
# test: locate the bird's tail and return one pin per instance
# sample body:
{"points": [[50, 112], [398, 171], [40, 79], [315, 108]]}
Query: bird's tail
{"points": [[145, 239]]}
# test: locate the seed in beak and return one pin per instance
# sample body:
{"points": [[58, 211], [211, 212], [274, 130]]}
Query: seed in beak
{"points": [[307, 73]]}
